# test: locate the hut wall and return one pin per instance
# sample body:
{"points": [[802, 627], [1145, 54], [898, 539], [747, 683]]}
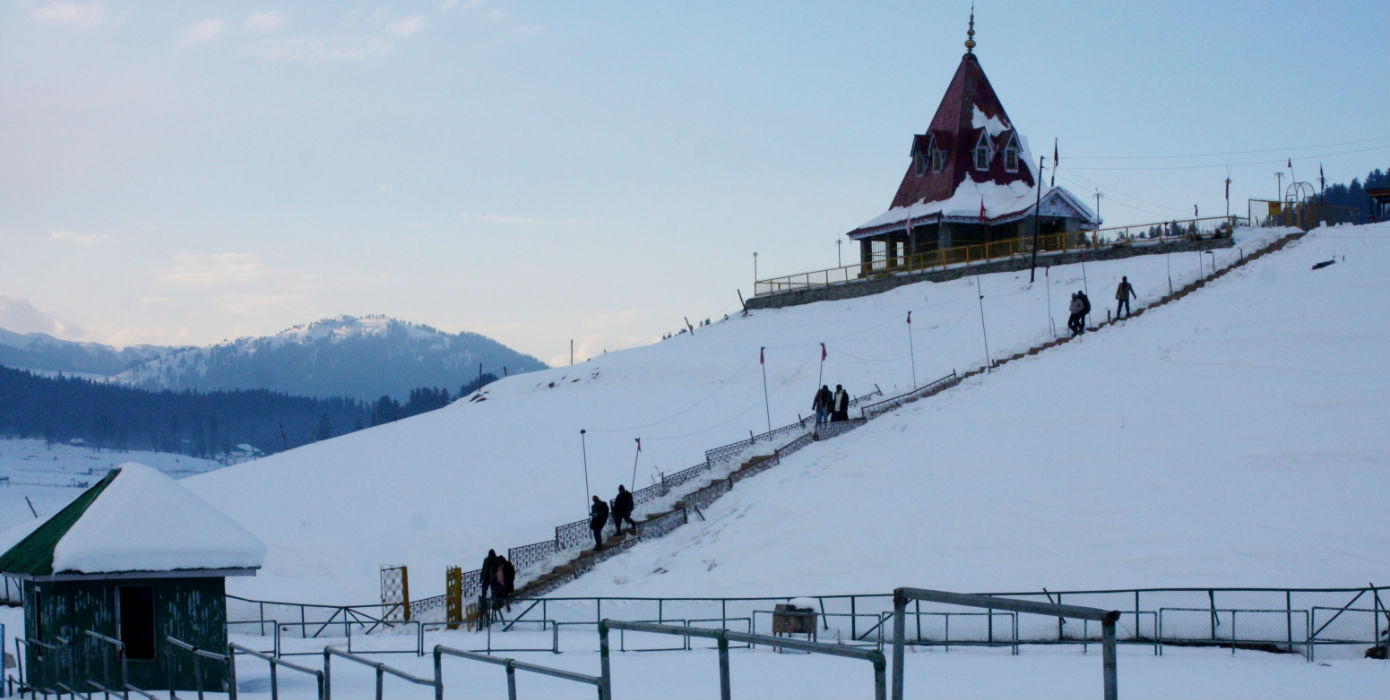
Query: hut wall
{"points": [[190, 609]]}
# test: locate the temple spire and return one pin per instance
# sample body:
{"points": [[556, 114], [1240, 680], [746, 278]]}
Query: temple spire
{"points": [[970, 35]]}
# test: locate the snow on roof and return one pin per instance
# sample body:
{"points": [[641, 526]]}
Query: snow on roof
{"points": [[145, 521], [994, 125]]}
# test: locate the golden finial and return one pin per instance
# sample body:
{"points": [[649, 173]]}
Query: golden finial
{"points": [[970, 35]]}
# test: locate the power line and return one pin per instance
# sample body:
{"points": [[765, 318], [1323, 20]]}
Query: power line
{"points": [[1226, 165], [1232, 153]]}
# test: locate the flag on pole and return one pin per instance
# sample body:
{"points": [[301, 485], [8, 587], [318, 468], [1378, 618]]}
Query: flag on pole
{"points": [[1322, 181], [760, 355], [1290, 164], [822, 352], [639, 444], [909, 318], [1054, 163], [982, 211], [1228, 189]]}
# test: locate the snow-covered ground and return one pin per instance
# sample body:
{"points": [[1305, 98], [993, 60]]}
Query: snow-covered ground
{"points": [[1234, 438], [52, 475]]}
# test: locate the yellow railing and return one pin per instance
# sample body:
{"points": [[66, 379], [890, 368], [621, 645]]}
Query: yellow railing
{"points": [[882, 266]]}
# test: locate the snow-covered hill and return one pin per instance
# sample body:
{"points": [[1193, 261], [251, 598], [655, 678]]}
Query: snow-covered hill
{"points": [[42, 353], [1233, 438], [362, 358]]}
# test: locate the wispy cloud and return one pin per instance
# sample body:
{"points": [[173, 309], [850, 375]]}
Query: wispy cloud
{"points": [[213, 270], [264, 22], [316, 50], [83, 14], [254, 304], [517, 220], [405, 26], [466, 4], [58, 234], [199, 32]]}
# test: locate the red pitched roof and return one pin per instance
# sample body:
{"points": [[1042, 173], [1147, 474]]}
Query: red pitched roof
{"points": [[968, 95]]}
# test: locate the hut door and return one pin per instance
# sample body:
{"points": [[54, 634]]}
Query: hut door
{"points": [[137, 621]]}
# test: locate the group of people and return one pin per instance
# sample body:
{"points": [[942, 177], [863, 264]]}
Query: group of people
{"points": [[831, 407], [621, 511], [1081, 306], [497, 577]]}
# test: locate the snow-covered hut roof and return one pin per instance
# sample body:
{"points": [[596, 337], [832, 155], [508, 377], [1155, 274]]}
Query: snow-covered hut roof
{"points": [[136, 519]]}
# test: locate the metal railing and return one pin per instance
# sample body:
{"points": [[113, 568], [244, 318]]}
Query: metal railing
{"points": [[1107, 618], [1150, 234], [878, 408], [511, 665], [381, 671], [172, 644], [722, 637], [275, 664]]}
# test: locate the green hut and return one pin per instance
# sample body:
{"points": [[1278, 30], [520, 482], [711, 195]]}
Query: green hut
{"points": [[136, 558]]}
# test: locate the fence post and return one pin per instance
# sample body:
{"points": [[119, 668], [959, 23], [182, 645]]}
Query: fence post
{"points": [[605, 673], [438, 674], [899, 610], [511, 680], [1107, 631], [327, 675], [724, 693]]}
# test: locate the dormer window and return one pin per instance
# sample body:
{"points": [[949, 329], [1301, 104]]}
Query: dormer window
{"points": [[919, 163], [938, 159], [1011, 154], [983, 152]]}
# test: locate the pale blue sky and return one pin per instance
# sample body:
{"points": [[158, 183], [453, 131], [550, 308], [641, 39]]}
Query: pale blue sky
{"points": [[541, 171]]}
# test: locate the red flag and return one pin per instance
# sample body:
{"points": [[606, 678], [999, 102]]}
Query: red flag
{"points": [[822, 352], [1054, 156], [909, 318], [639, 444], [1228, 189], [760, 355], [982, 210], [1290, 164]]}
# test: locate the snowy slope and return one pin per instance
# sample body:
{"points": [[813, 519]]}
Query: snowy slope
{"points": [[1066, 445], [1236, 438]]}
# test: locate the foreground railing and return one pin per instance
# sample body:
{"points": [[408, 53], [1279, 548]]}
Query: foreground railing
{"points": [[1107, 618], [723, 637], [512, 666]]}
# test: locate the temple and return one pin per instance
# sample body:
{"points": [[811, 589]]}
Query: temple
{"points": [[971, 180]]}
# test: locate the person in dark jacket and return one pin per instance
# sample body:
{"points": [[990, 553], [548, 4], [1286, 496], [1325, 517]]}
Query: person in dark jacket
{"points": [[487, 579], [1122, 296], [503, 584], [839, 408], [622, 510], [1075, 309], [598, 517], [1085, 309], [821, 404]]}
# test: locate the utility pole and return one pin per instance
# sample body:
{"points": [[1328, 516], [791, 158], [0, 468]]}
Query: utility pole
{"points": [[1279, 186], [1037, 216], [755, 272], [1097, 208], [838, 262]]}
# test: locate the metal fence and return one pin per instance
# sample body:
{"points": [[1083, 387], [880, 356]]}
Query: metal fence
{"points": [[885, 263], [878, 408]]}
